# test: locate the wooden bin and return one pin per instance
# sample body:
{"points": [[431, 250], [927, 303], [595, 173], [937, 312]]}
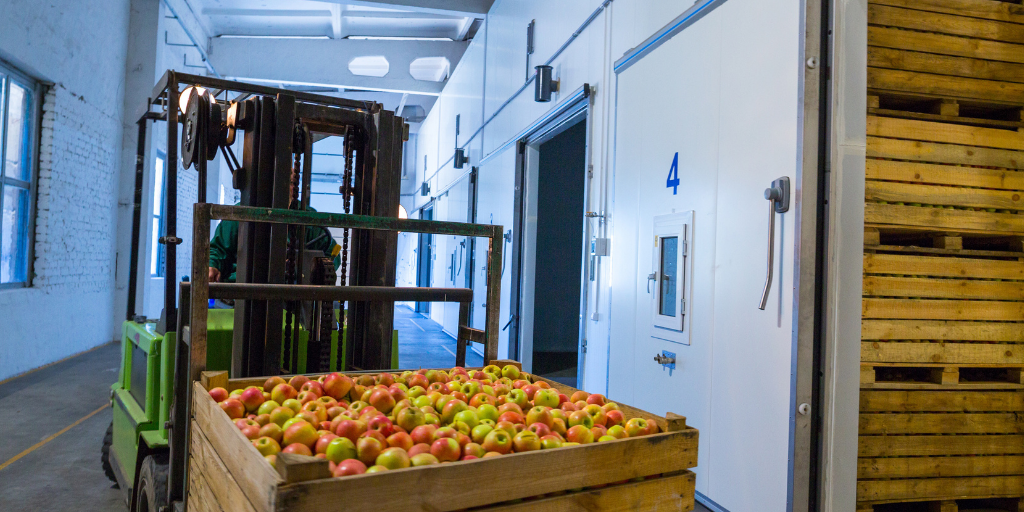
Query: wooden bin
{"points": [[970, 50], [644, 473], [944, 178], [950, 312], [932, 444]]}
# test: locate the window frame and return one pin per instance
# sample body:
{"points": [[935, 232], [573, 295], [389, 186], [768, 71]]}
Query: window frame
{"points": [[36, 123], [159, 249]]}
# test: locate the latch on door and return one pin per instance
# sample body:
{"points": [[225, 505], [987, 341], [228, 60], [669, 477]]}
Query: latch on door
{"points": [[778, 202], [666, 359]]}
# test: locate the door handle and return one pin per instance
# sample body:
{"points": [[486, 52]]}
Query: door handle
{"points": [[653, 276], [778, 202]]}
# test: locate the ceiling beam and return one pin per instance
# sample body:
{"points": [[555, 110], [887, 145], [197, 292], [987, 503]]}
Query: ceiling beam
{"points": [[194, 28], [338, 21], [324, 62], [463, 29], [467, 8]]}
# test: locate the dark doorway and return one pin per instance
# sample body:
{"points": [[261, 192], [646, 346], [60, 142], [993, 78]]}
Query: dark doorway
{"points": [[561, 182], [425, 255]]}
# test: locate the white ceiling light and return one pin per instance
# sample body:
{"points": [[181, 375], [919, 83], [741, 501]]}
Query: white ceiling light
{"points": [[430, 69], [377, 66]]}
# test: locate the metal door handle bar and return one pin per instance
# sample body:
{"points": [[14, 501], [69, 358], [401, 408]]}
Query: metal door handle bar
{"points": [[778, 202]]}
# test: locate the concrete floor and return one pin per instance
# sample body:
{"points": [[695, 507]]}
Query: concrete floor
{"points": [[71, 399]]}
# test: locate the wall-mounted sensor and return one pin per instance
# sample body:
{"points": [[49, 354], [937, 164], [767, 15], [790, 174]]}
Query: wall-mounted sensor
{"points": [[460, 158], [425, 189], [544, 84]]}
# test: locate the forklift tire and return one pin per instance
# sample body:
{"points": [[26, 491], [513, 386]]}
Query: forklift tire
{"points": [[152, 493], [108, 441]]}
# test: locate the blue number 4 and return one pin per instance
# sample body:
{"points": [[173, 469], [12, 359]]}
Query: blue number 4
{"points": [[673, 175]]}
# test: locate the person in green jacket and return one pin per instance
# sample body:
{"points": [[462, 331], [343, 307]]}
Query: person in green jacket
{"points": [[224, 249]]}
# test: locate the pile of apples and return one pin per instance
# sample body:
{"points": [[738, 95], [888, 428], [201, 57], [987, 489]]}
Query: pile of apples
{"points": [[379, 422]]}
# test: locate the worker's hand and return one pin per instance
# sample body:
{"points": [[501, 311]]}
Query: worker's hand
{"points": [[214, 275]]}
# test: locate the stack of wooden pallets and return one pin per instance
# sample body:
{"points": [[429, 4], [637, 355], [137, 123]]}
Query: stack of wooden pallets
{"points": [[942, 395]]}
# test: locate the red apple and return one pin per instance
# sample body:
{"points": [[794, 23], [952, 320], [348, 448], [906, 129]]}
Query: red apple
{"points": [[322, 442], [473, 449], [337, 385], [446, 449], [540, 414], [306, 396], [498, 441], [368, 448], [451, 408], [400, 440], [581, 418], [382, 400], [297, 449], [273, 431], [418, 449], [636, 427], [579, 434], [233, 408], [596, 413], [530, 390], [282, 392], [251, 432], [381, 424], [349, 467], [300, 432], [539, 428], [297, 381], [219, 394], [617, 431], [272, 383], [445, 432], [558, 426], [579, 395], [596, 399], [511, 417], [423, 434], [376, 435], [350, 429], [313, 387], [385, 379], [393, 458], [598, 431], [615, 417]]}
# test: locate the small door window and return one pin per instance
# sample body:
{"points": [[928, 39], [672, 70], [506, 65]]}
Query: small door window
{"points": [[667, 297], [670, 273]]}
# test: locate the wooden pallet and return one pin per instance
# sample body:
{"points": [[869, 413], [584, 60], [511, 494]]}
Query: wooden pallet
{"points": [[936, 445], [971, 50], [938, 177], [643, 473], [938, 376], [987, 505], [942, 310]]}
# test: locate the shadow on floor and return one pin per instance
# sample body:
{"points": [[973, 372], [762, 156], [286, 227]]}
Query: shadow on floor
{"points": [[423, 344]]}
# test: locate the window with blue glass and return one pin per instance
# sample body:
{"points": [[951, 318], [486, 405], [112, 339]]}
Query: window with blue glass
{"points": [[20, 99]]}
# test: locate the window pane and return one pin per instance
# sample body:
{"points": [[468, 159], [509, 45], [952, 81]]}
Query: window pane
{"points": [[158, 186], [669, 247], [14, 239], [154, 248], [17, 155]]}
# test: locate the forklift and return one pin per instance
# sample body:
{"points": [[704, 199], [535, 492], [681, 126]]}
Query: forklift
{"points": [[145, 449]]}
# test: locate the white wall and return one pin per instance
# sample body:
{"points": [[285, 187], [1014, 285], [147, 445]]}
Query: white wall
{"points": [[80, 47]]}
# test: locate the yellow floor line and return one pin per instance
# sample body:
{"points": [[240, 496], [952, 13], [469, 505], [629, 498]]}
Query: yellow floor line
{"points": [[36, 446]]}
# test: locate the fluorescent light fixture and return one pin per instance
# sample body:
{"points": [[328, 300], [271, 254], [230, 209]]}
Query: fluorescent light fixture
{"points": [[397, 38]]}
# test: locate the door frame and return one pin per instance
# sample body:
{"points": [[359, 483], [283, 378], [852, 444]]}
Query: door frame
{"points": [[423, 308], [552, 124]]}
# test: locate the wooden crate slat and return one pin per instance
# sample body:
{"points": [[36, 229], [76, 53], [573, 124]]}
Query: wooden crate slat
{"points": [[952, 353], [254, 475], [944, 219], [941, 423], [892, 58], [201, 495], [942, 331], [894, 80], [944, 44], [925, 445], [956, 154], [944, 196], [930, 131], [456, 485], [941, 401], [939, 467], [943, 23], [203, 458], [674, 492], [939, 174], [986, 9], [928, 489], [937, 266], [942, 288], [941, 309]]}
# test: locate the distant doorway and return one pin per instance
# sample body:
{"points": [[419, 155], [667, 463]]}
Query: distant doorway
{"points": [[425, 255]]}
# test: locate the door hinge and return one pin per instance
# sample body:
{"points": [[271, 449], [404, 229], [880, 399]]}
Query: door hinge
{"points": [[682, 306], [584, 346], [590, 171], [685, 248]]}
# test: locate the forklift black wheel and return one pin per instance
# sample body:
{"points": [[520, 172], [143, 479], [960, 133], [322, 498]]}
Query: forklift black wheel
{"points": [[152, 495], [108, 441]]}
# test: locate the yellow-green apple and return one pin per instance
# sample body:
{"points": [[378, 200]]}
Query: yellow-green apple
{"points": [[471, 388], [474, 449], [297, 449], [606, 438], [368, 448], [510, 372], [393, 458], [546, 398], [262, 419], [376, 435], [400, 440], [410, 418], [418, 449], [479, 433], [292, 404], [580, 418], [526, 441], [468, 417], [579, 434], [636, 427], [308, 417], [550, 441], [618, 432], [235, 393], [233, 408], [266, 446], [540, 414], [446, 449], [498, 440], [281, 414], [423, 459], [491, 454], [282, 392], [487, 412], [349, 467], [339, 449], [518, 397], [300, 432], [219, 394], [376, 468], [326, 401], [267, 407], [334, 412], [596, 413], [509, 428]]}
